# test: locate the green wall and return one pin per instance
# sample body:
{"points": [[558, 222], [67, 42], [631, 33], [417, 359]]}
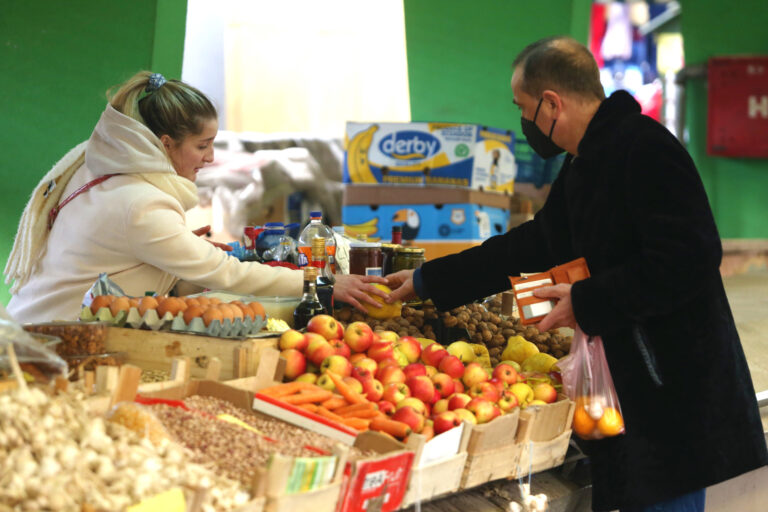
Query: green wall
{"points": [[57, 59], [737, 187], [460, 53]]}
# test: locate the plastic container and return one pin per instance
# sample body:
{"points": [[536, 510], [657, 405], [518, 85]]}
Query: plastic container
{"points": [[268, 241], [279, 307], [314, 229]]}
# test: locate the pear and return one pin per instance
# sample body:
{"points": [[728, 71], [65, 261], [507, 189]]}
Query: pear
{"points": [[539, 362], [519, 349]]}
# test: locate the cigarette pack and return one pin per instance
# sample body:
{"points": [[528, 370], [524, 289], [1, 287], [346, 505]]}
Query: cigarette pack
{"points": [[531, 308]]}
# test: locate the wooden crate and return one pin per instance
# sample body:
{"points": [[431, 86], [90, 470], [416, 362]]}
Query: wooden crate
{"points": [[155, 350], [320, 500], [535, 456], [435, 479], [490, 465]]}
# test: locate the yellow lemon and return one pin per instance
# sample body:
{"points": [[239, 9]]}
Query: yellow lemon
{"points": [[519, 349], [386, 310]]}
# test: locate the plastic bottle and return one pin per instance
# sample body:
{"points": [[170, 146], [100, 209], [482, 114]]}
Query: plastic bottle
{"points": [[314, 229], [268, 241]]}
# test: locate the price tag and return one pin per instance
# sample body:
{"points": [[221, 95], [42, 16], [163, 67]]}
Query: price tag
{"points": [[168, 501], [374, 480]]}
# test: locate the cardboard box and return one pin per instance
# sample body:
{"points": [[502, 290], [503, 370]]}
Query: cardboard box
{"points": [[435, 479], [463, 155], [427, 214]]}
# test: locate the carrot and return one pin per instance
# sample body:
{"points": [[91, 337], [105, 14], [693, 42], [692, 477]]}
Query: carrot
{"points": [[322, 411], [366, 406], [308, 407], [363, 413], [428, 432], [357, 423], [307, 397], [343, 388], [392, 427], [334, 403], [287, 388]]}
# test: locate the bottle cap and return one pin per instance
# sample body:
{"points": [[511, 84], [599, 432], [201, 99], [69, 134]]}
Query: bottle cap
{"points": [[315, 214], [310, 273]]}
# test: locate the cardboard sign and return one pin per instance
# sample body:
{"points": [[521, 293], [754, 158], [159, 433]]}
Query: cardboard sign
{"points": [[376, 485], [531, 308]]}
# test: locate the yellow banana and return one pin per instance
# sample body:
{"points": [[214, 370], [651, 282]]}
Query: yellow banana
{"points": [[357, 156]]}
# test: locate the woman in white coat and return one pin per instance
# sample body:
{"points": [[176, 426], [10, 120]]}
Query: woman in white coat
{"points": [[116, 204]]}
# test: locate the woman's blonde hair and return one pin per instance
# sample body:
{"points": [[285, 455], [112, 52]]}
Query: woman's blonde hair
{"points": [[173, 108]]}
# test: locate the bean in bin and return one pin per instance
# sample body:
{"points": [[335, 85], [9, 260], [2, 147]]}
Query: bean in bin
{"points": [[116, 204], [630, 201]]}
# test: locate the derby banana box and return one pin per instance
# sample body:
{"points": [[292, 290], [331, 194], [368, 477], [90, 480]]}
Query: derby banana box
{"points": [[453, 154]]}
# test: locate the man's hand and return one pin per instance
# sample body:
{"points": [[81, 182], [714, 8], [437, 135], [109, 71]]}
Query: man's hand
{"points": [[562, 314], [354, 289], [402, 286], [203, 231]]}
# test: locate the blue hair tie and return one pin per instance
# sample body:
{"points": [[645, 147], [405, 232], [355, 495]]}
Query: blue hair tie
{"points": [[156, 81]]}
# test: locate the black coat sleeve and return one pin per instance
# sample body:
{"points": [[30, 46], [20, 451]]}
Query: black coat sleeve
{"points": [[484, 270], [679, 244]]}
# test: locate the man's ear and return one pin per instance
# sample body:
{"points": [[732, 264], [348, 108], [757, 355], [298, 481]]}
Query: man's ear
{"points": [[552, 103], [167, 141]]}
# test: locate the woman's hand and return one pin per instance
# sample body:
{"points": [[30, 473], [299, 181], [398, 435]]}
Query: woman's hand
{"points": [[354, 289], [562, 314], [203, 231], [402, 286]]}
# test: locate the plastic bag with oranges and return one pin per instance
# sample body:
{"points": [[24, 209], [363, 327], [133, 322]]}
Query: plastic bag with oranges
{"points": [[587, 381]]}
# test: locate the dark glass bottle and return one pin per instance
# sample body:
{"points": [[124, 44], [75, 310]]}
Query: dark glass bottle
{"points": [[310, 304]]}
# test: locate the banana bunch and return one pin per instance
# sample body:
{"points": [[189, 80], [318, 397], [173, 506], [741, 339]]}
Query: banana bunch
{"points": [[357, 156], [367, 228]]}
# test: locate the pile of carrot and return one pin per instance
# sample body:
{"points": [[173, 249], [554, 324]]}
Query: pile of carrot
{"points": [[346, 406]]}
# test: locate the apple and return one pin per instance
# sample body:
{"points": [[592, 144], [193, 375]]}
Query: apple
{"points": [[506, 373], [409, 346], [462, 350], [376, 337], [523, 392], [414, 403], [361, 374], [390, 336], [485, 390], [354, 384], [307, 377], [465, 415], [410, 417], [295, 363], [556, 378], [507, 401], [482, 409], [452, 366], [324, 325], [325, 382], [444, 384], [513, 364], [339, 331], [428, 431], [390, 374], [544, 392], [386, 407], [395, 392], [293, 339], [340, 348], [358, 336], [373, 390], [498, 384], [401, 359], [357, 357], [431, 371], [446, 421], [421, 387], [337, 364], [367, 363], [440, 406], [474, 373], [319, 349], [381, 350], [459, 386], [458, 401], [414, 370], [433, 354], [537, 402]]}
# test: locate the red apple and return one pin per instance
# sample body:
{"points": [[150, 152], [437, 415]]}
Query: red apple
{"points": [[498, 384], [465, 415], [474, 373], [421, 387], [358, 336], [482, 409], [390, 374], [386, 407], [337, 364], [507, 401], [452, 365], [339, 331], [353, 383], [506, 373], [340, 348], [444, 384], [459, 386], [484, 390], [555, 378], [324, 325], [458, 401], [410, 417], [295, 363], [366, 363], [361, 374], [440, 406], [433, 354], [318, 349], [414, 370], [390, 336], [395, 392], [435, 397], [381, 350], [373, 390], [293, 339], [544, 392], [356, 357], [410, 347], [414, 403], [446, 421]]}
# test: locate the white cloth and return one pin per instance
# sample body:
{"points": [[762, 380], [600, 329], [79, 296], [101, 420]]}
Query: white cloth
{"points": [[132, 227]]}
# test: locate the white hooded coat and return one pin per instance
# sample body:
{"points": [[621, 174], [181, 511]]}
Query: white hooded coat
{"points": [[132, 226]]}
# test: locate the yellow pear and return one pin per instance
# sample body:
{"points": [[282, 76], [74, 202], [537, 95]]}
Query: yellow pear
{"points": [[539, 362], [519, 349], [523, 392]]}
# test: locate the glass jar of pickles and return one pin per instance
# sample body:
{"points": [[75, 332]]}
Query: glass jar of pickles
{"points": [[408, 258]]}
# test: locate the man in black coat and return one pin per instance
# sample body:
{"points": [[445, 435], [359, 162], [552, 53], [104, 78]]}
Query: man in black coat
{"points": [[628, 199]]}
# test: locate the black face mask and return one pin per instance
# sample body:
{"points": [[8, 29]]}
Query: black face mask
{"points": [[542, 144]]}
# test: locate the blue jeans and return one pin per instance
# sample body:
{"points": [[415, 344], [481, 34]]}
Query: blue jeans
{"points": [[691, 502]]}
